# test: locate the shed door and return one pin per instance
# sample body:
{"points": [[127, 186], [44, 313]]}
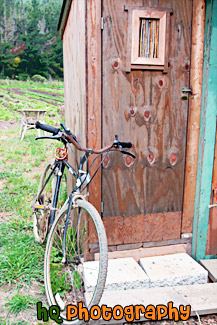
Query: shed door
{"points": [[143, 198]]}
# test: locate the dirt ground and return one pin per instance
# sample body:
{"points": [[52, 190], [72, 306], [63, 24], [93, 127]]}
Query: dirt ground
{"points": [[6, 125]]}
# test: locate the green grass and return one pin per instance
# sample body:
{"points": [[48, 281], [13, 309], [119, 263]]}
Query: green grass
{"points": [[18, 169], [21, 164], [21, 257], [20, 303]]}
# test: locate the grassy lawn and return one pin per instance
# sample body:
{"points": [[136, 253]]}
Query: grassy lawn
{"points": [[21, 163]]}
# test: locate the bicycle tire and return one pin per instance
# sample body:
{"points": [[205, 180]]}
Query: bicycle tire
{"points": [[66, 281], [41, 217]]}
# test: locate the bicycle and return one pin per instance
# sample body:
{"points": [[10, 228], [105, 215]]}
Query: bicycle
{"points": [[77, 232]]}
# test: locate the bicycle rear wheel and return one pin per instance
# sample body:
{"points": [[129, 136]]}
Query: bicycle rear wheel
{"points": [[43, 203], [76, 278]]}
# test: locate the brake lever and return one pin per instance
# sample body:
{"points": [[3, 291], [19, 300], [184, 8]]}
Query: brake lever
{"points": [[67, 131], [127, 153], [55, 137]]}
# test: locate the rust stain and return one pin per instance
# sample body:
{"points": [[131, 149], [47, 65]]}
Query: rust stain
{"points": [[173, 159]]}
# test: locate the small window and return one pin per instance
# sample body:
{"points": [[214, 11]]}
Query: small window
{"points": [[149, 38], [147, 44]]}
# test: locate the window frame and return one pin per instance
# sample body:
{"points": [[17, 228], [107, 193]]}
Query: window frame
{"points": [[133, 61]]}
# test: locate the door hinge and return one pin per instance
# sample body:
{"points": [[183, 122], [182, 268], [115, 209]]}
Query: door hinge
{"points": [[102, 206], [102, 23]]}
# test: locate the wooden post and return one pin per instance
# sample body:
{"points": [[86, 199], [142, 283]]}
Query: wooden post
{"points": [[196, 73], [207, 135], [94, 91]]}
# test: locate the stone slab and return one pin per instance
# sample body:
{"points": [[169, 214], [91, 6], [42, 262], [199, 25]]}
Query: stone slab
{"points": [[173, 270], [201, 297], [211, 267], [122, 274]]}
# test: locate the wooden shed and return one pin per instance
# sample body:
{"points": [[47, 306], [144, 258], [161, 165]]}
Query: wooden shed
{"points": [[134, 68]]}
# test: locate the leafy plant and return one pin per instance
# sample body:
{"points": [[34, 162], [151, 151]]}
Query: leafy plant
{"points": [[38, 78], [20, 303]]}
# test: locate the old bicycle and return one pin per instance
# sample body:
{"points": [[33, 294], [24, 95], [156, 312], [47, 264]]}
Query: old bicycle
{"points": [[75, 230]]}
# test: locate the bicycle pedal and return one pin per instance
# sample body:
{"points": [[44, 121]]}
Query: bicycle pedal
{"points": [[40, 207]]}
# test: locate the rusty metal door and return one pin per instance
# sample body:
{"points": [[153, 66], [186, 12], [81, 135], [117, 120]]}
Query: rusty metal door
{"points": [[142, 198]]}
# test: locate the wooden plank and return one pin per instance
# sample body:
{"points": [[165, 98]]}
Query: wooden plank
{"points": [[143, 228], [211, 267], [172, 225], [134, 229], [74, 60], [153, 244], [207, 135], [154, 225], [94, 92], [114, 228], [147, 252], [196, 74]]}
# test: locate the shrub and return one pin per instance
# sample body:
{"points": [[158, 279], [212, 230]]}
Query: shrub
{"points": [[23, 76], [38, 78]]}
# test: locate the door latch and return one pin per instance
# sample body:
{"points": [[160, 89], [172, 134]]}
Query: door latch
{"points": [[214, 191], [185, 93]]}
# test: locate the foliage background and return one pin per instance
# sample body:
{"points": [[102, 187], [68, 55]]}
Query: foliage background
{"points": [[29, 44]]}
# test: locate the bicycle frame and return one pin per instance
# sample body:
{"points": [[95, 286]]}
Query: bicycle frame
{"points": [[60, 166]]}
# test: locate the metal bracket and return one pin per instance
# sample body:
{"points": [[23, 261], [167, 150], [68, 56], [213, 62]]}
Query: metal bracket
{"points": [[212, 205]]}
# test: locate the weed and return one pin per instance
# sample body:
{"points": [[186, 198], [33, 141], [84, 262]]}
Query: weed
{"points": [[20, 303], [21, 258]]}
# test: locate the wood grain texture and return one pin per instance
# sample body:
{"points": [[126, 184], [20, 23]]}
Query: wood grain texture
{"points": [[198, 24], [75, 75], [114, 228], [142, 229], [94, 92], [145, 107]]}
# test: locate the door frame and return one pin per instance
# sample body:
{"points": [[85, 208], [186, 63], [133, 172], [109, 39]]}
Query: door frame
{"points": [[207, 136]]}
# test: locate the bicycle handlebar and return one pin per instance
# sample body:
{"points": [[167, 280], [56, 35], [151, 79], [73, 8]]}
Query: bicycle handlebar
{"points": [[72, 140], [125, 144], [47, 128], [67, 135]]}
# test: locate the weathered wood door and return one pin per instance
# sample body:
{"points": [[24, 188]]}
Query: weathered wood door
{"points": [[143, 198]]}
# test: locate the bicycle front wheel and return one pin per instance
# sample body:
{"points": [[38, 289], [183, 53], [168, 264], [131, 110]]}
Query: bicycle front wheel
{"points": [[77, 277]]}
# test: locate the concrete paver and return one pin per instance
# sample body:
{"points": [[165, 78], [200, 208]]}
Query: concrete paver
{"points": [[211, 267], [123, 273], [173, 270]]}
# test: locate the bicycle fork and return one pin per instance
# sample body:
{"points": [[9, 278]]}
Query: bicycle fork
{"points": [[56, 194]]}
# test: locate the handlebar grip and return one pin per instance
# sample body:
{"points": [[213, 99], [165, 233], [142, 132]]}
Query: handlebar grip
{"points": [[47, 128], [126, 144]]}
